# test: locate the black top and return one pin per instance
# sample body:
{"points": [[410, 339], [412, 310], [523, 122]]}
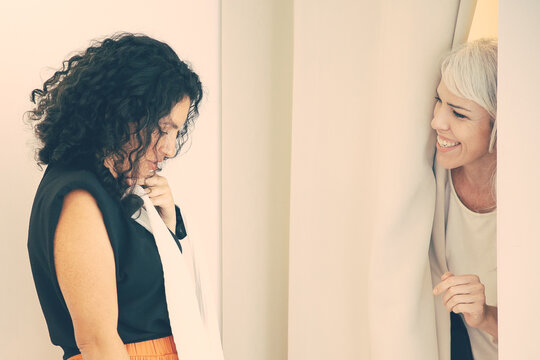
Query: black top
{"points": [[142, 309], [460, 344]]}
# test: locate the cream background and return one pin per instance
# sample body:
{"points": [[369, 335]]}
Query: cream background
{"points": [[37, 36]]}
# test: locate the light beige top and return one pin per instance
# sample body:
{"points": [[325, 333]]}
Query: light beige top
{"points": [[471, 249], [463, 242]]}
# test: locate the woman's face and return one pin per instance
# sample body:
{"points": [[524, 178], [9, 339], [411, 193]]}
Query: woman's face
{"points": [[164, 146], [463, 130], [159, 147]]}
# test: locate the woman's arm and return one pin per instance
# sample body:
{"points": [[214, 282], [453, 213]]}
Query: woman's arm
{"points": [[85, 270]]}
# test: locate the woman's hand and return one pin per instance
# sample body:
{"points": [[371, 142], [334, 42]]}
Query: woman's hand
{"points": [[465, 294], [160, 194]]}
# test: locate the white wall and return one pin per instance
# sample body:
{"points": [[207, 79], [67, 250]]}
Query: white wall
{"points": [[37, 36], [518, 190]]}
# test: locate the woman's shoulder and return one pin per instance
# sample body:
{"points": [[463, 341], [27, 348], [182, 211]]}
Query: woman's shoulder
{"points": [[58, 181], [56, 176], [77, 186]]}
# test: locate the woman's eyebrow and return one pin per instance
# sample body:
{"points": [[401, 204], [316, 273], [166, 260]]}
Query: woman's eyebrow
{"points": [[454, 106], [459, 107], [169, 122]]}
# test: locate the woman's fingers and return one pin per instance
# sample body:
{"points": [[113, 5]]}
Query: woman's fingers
{"points": [[446, 275], [463, 294], [477, 299], [469, 309], [456, 290], [466, 289], [154, 180], [156, 191], [454, 280], [155, 185], [160, 200]]}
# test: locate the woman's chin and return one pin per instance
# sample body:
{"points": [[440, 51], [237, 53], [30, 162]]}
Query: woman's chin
{"points": [[446, 163], [145, 174]]}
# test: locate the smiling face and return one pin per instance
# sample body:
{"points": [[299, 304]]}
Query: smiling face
{"points": [[463, 130]]}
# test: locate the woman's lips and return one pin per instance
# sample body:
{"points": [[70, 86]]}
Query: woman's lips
{"points": [[153, 165], [445, 144], [446, 149]]}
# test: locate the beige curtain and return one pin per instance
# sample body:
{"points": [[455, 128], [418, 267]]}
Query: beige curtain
{"points": [[362, 188], [256, 43], [327, 187]]}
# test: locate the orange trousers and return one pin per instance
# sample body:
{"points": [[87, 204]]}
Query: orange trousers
{"points": [[158, 349]]}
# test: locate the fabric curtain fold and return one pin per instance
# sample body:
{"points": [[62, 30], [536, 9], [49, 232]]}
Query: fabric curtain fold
{"points": [[402, 306], [362, 184]]}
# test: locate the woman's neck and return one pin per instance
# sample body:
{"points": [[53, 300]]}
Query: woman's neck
{"points": [[474, 184], [479, 173]]}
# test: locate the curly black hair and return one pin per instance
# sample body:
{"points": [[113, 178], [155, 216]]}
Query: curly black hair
{"points": [[106, 96]]}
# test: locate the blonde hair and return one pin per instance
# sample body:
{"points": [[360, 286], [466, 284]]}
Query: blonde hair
{"points": [[470, 71]]}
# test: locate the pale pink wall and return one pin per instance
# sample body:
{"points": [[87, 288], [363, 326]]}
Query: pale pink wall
{"points": [[518, 173], [37, 36]]}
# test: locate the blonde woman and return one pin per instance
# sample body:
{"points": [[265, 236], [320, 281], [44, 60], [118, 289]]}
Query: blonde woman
{"points": [[463, 246]]}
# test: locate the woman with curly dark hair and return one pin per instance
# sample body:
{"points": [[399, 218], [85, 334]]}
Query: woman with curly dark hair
{"points": [[115, 274]]}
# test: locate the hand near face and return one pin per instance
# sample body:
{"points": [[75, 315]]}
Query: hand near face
{"points": [[158, 190], [465, 294]]}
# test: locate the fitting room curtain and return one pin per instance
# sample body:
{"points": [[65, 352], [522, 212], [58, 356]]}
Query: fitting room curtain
{"points": [[342, 164], [362, 187], [401, 315]]}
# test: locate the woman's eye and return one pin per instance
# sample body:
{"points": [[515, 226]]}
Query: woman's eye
{"points": [[438, 99], [461, 116]]}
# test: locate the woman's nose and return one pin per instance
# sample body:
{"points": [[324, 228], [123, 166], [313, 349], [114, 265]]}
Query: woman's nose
{"points": [[440, 119], [167, 146]]}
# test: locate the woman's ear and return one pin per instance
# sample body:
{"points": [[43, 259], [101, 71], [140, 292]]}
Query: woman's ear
{"points": [[108, 162]]}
